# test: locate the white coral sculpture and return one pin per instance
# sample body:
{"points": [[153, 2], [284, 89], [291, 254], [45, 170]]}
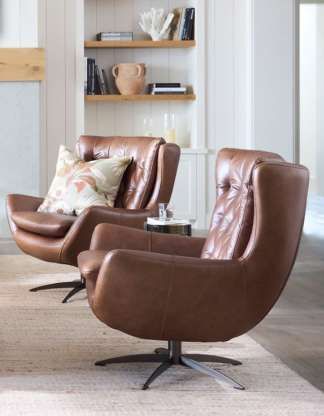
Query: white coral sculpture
{"points": [[156, 24]]}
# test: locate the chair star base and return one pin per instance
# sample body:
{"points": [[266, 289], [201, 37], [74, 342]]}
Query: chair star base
{"points": [[76, 285], [171, 356]]}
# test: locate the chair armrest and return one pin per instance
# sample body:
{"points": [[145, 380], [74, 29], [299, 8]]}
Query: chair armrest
{"points": [[110, 237], [16, 202], [79, 236], [165, 297]]}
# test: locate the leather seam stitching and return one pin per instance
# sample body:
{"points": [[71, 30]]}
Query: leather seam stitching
{"points": [[242, 222], [150, 170], [161, 181]]}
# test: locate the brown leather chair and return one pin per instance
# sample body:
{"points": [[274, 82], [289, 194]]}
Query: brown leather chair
{"points": [[173, 288], [56, 238]]}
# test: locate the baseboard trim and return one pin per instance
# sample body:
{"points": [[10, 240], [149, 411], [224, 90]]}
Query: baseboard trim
{"points": [[8, 246]]}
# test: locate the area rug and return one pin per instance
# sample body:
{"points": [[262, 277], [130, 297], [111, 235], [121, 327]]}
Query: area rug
{"points": [[47, 352]]}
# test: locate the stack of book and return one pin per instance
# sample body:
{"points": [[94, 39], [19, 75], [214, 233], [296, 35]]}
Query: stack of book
{"points": [[183, 27], [115, 36], [164, 88], [96, 82]]}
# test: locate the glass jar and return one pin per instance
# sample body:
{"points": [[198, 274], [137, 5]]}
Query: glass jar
{"points": [[170, 132], [148, 126]]}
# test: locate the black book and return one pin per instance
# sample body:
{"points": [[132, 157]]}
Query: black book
{"points": [[89, 76], [92, 77], [105, 80], [99, 90], [163, 85], [191, 32], [167, 85], [186, 24], [103, 84]]}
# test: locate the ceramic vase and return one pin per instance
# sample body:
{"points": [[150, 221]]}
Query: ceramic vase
{"points": [[130, 78]]}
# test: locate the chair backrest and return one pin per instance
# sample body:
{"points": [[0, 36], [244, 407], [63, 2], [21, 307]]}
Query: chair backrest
{"points": [[281, 191], [232, 219], [141, 178], [257, 228]]}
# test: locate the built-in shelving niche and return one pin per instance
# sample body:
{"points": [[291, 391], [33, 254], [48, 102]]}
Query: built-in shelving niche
{"points": [[166, 62]]}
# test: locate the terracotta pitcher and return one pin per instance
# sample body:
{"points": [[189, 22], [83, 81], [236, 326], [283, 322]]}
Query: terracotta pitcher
{"points": [[130, 78]]}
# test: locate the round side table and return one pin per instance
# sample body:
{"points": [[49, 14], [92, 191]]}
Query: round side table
{"points": [[181, 227]]}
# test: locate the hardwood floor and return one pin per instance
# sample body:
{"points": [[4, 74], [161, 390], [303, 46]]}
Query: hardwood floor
{"points": [[294, 330]]}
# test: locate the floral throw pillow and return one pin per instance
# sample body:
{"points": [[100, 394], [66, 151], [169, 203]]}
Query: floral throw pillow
{"points": [[79, 185]]}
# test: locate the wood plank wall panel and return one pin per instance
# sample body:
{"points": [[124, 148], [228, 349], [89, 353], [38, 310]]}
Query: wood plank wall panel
{"points": [[229, 67], [22, 64], [70, 70], [56, 114], [163, 65], [62, 34]]}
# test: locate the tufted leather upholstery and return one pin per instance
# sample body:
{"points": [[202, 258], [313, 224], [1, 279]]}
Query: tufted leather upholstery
{"points": [[148, 181], [232, 218], [159, 288], [140, 176]]}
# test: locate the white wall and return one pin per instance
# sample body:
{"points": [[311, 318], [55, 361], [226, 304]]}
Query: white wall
{"points": [[312, 93], [60, 23], [19, 110], [308, 88], [18, 23], [229, 71], [251, 78], [251, 74], [36, 118], [274, 76], [229, 81]]}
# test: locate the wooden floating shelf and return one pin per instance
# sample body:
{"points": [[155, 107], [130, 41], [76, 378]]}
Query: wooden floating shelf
{"points": [[147, 97], [140, 44], [22, 64]]}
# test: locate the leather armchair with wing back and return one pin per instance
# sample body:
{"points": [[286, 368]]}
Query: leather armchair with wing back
{"points": [[172, 288], [148, 181]]}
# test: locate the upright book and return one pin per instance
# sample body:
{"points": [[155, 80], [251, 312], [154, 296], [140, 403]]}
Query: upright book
{"points": [[96, 82], [188, 26], [90, 76], [175, 27], [184, 23]]}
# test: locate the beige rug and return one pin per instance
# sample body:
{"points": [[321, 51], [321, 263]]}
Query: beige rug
{"points": [[47, 351]]}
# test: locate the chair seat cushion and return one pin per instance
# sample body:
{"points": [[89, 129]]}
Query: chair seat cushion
{"points": [[46, 224], [90, 262]]}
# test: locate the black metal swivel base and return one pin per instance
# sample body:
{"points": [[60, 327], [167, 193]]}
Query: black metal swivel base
{"points": [[173, 356], [76, 285]]}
